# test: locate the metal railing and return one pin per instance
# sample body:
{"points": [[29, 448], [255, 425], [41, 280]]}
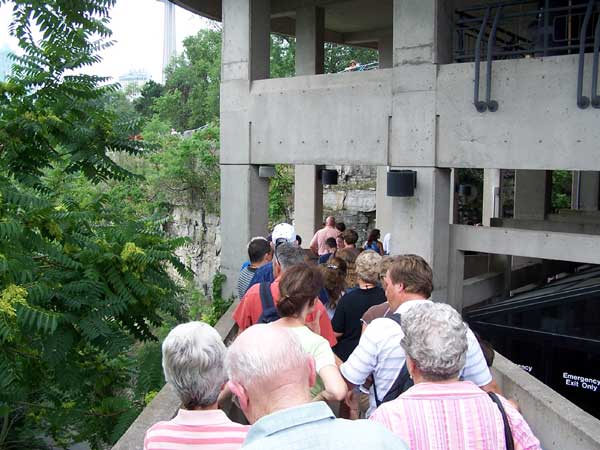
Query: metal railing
{"points": [[528, 29]]}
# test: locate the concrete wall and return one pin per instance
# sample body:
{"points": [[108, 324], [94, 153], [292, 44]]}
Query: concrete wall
{"points": [[321, 119], [557, 423], [537, 126]]}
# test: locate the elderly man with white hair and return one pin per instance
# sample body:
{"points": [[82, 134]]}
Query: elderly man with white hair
{"points": [[272, 383], [440, 411], [193, 362]]}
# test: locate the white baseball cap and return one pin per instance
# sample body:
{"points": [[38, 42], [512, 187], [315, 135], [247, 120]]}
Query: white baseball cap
{"points": [[283, 231]]}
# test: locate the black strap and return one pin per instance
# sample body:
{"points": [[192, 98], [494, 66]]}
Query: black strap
{"points": [[402, 381], [266, 298], [508, 438]]}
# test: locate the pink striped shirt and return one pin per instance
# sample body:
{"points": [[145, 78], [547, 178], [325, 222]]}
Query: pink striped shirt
{"points": [[196, 430], [453, 416]]}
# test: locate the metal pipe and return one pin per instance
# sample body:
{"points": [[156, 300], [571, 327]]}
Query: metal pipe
{"points": [[479, 105], [582, 101], [595, 74], [491, 104], [546, 26]]}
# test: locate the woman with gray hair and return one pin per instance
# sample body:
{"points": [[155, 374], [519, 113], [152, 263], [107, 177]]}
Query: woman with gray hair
{"points": [[193, 356], [440, 411]]}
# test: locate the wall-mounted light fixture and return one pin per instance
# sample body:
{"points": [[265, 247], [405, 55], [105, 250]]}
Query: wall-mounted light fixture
{"points": [[329, 176], [401, 183], [266, 171]]}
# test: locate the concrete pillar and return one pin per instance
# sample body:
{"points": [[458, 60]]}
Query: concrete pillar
{"points": [[244, 196], [244, 214], [585, 190], [308, 189], [384, 204], [385, 48], [308, 202], [421, 223], [491, 195], [422, 31], [383, 218], [310, 29], [532, 194]]}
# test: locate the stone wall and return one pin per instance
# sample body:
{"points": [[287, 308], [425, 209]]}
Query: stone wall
{"points": [[202, 255], [352, 201]]}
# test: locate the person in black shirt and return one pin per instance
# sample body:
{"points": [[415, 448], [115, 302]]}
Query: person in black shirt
{"points": [[351, 307]]}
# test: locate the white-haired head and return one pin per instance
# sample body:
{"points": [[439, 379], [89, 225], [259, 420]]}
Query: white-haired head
{"points": [[193, 356], [268, 370], [435, 338]]}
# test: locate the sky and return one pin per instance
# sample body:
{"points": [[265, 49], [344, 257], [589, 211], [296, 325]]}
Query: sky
{"points": [[137, 27]]}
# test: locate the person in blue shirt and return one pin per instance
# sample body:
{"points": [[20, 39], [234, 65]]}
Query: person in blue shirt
{"points": [[331, 246], [283, 232], [272, 384]]}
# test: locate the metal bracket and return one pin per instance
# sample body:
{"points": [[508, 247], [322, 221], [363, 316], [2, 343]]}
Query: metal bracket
{"points": [[582, 101], [479, 105], [491, 104]]}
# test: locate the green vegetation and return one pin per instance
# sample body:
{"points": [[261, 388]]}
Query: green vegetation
{"points": [[87, 182]]}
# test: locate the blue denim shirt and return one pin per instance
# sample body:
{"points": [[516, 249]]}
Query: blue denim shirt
{"points": [[314, 427]]}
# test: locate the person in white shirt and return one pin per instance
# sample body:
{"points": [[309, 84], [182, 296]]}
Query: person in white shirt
{"points": [[409, 282]]}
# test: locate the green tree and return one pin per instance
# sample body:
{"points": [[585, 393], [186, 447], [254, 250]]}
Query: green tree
{"points": [[193, 79], [81, 279], [150, 92]]}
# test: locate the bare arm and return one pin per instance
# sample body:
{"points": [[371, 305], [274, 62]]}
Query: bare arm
{"points": [[335, 386]]}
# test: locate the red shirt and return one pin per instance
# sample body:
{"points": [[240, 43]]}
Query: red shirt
{"points": [[249, 310]]}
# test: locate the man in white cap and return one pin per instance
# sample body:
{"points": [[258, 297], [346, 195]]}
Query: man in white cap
{"points": [[283, 232]]}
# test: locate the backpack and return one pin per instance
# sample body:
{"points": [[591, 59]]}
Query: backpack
{"points": [[269, 311], [402, 382]]}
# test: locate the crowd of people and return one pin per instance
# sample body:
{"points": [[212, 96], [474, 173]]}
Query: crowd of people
{"points": [[338, 347]]}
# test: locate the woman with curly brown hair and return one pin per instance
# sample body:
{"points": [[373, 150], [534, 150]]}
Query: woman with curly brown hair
{"points": [[299, 287]]}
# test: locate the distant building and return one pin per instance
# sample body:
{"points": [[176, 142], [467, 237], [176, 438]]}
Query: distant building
{"points": [[5, 62], [133, 81]]}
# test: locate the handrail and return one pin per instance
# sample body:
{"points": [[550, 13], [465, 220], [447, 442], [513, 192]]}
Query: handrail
{"points": [[595, 74], [479, 105], [582, 101], [491, 104]]}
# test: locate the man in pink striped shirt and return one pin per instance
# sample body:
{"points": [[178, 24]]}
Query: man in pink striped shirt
{"points": [[440, 412], [193, 358]]}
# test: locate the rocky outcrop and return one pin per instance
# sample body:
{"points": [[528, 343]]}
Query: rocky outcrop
{"points": [[202, 255], [352, 201]]}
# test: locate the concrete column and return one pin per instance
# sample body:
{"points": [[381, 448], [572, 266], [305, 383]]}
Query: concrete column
{"points": [[421, 223], [308, 189], [310, 28], [308, 202], [385, 48], [585, 190], [244, 196], [244, 214], [422, 31], [384, 204], [491, 195], [532, 194]]}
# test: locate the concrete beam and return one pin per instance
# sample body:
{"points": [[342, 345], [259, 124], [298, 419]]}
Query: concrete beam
{"points": [[291, 6], [310, 26], [335, 118], [359, 37], [585, 190], [563, 225], [539, 92], [535, 244]]}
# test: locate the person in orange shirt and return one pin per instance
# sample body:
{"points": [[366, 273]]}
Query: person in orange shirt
{"points": [[250, 309]]}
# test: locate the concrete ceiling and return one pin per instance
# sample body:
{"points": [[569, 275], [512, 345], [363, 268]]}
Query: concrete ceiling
{"points": [[355, 22]]}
